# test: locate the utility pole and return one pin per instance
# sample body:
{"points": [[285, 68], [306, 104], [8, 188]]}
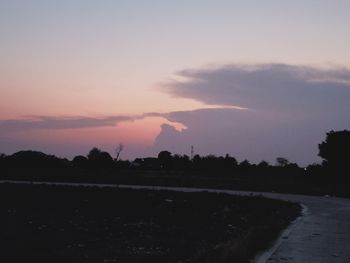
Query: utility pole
{"points": [[192, 151]]}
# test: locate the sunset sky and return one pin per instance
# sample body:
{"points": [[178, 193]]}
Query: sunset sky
{"points": [[255, 79]]}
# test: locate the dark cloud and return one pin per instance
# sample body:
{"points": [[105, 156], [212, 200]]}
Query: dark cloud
{"points": [[269, 87], [44, 122], [56, 123], [289, 110]]}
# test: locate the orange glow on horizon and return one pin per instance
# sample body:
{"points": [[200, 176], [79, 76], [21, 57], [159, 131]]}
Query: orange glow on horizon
{"points": [[142, 132]]}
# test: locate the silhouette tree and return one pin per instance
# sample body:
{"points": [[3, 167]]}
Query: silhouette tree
{"points": [[245, 164], [335, 150], [100, 159], [165, 159], [34, 164], [106, 158], [230, 161], [263, 164], [3, 162], [181, 162], [282, 162], [94, 154], [80, 161], [196, 161]]}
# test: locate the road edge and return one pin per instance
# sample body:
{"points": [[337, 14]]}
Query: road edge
{"points": [[263, 256]]}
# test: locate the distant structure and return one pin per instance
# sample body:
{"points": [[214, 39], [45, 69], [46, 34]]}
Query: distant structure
{"points": [[192, 152]]}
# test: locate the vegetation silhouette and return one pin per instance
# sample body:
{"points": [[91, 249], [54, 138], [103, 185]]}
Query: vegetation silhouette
{"points": [[165, 159], [335, 151], [99, 160], [328, 177]]}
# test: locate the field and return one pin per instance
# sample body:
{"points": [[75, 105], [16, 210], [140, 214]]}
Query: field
{"points": [[75, 224]]}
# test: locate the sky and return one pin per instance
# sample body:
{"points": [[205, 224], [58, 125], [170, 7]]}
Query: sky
{"points": [[255, 79]]}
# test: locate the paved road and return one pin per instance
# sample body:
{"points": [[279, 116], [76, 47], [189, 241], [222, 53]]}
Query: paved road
{"points": [[322, 235]]}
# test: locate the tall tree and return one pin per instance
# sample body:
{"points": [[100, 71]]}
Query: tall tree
{"points": [[165, 158], [335, 150], [94, 154]]}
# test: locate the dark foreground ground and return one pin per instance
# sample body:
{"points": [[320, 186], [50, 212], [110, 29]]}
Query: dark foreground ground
{"points": [[71, 224]]}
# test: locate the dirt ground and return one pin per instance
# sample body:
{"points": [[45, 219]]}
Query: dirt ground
{"points": [[76, 224]]}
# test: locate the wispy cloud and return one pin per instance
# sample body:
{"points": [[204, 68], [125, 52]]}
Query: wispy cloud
{"points": [[72, 122], [47, 122]]}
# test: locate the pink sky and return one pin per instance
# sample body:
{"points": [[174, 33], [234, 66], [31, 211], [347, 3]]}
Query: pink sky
{"points": [[73, 59]]}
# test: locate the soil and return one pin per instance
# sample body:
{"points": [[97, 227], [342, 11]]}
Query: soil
{"points": [[75, 224]]}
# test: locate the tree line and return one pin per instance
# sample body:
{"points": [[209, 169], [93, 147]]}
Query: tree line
{"points": [[334, 150]]}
